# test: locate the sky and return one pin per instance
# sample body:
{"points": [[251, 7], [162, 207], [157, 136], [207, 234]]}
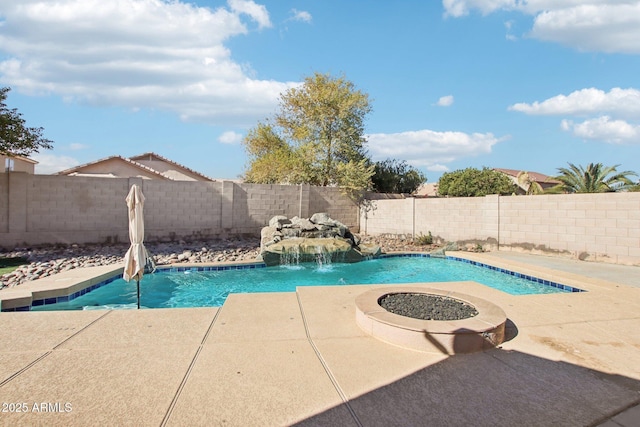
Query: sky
{"points": [[527, 85]]}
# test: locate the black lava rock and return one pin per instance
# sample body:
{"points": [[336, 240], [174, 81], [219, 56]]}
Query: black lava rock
{"points": [[427, 306]]}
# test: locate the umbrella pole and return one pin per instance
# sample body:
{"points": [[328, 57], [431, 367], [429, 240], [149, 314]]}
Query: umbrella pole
{"points": [[138, 283]]}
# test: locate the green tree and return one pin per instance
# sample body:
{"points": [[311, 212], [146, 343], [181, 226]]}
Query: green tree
{"points": [[596, 178], [316, 137], [472, 182], [16, 138], [272, 159], [396, 176]]}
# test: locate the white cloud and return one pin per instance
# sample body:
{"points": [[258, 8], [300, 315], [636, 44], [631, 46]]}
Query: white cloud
{"points": [[430, 148], [77, 146], [136, 54], [230, 137], [257, 12], [508, 25], [604, 129], [458, 8], [623, 102], [301, 15], [445, 101], [620, 103], [50, 163], [437, 168], [566, 125], [591, 25]]}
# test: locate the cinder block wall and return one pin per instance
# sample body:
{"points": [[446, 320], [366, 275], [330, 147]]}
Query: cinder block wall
{"points": [[452, 219], [389, 217], [46, 209], [255, 204], [175, 209], [603, 227], [38, 209], [458, 219], [335, 203]]}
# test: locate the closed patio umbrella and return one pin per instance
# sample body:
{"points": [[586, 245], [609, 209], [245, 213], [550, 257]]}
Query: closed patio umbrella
{"points": [[137, 256]]}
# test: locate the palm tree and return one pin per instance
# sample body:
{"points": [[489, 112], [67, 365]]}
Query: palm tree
{"points": [[594, 179], [528, 183]]}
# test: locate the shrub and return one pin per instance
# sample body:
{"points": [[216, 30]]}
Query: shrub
{"points": [[423, 240]]}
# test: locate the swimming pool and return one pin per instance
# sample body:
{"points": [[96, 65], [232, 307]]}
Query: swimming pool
{"points": [[196, 287]]}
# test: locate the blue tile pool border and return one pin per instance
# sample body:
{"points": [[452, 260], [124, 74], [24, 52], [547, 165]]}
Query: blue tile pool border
{"points": [[211, 268], [66, 298], [534, 279], [160, 270]]}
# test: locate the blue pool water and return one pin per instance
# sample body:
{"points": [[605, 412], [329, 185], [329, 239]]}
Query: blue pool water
{"points": [[194, 288]]}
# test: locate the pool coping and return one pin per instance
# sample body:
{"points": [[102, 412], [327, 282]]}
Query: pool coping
{"points": [[67, 286]]}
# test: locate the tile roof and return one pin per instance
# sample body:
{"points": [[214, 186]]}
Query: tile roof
{"points": [[15, 156], [534, 176], [164, 159], [132, 161]]}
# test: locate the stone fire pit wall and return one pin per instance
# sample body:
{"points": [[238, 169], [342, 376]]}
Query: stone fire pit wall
{"points": [[481, 332], [307, 239]]}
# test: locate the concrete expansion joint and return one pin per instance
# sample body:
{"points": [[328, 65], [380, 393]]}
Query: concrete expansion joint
{"points": [[56, 347], [326, 368], [26, 368], [187, 374], [213, 321], [82, 330]]}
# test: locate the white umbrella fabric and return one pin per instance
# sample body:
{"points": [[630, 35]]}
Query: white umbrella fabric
{"points": [[136, 257]]}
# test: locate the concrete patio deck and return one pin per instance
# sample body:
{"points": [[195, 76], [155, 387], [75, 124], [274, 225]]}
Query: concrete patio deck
{"points": [[300, 359]]}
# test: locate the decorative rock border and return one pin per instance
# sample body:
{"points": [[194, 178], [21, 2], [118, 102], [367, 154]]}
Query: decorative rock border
{"points": [[481, 332]]}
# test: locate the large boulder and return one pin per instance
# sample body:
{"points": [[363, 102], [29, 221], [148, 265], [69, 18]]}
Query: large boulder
{"points": [[279, 221], [304, 240]]}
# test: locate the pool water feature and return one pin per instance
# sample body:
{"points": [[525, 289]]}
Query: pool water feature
{"points": [[183, 287]]}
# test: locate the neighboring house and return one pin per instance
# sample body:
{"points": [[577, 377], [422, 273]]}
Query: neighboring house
{"points": [[431, 189], [16, 164], [145, 166], [427, 189], [545, 181]]}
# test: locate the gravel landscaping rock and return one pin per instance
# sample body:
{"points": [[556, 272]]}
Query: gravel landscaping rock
{"points": [[427, 307]]}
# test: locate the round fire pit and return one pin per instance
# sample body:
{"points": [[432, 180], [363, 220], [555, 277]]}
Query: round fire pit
{"points": [[430, 320]]}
